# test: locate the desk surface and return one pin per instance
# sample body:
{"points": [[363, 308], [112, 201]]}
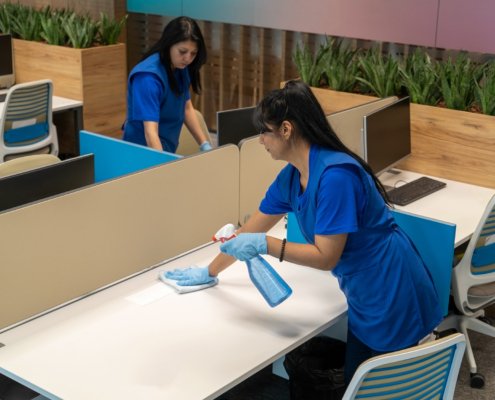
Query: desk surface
{"points": [[58, 103], [192, 346], [457, 203]]}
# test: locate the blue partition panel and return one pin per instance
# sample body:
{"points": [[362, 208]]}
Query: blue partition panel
{"points": [[435, 243], [433, 239], [114, 157], [172, 8]]}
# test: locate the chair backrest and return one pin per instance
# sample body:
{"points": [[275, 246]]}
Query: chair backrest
{"points": [[434, 241], [26, 122], [477, 266], [428, 371], [26, 163], [187, 143]]}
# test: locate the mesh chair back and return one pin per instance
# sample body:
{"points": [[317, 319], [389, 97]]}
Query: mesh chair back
{"points": [[483, 259], [26, 118]]}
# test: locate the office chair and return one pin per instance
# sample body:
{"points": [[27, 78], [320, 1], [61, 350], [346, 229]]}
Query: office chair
{"points": [[187, 143], [428, 371], [26, 125], [26, 163], [473, 288]]}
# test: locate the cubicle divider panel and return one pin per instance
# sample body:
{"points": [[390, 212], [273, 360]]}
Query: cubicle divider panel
{"points": [[257, 172], [347, 124], [114, 157], [63, 248]]}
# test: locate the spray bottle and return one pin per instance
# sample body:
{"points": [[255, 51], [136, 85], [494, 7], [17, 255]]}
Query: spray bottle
{"points": [[272, 287]]}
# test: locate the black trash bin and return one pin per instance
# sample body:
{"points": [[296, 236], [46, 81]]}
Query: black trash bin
{"points": [[316, 369]]}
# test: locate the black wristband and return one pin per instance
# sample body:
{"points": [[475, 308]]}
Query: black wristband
{"points": [[282, 250]]}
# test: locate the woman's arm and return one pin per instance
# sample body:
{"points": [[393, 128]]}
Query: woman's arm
{"points": [[259, 222], [323, 255], [151, 135], [192, 123]]}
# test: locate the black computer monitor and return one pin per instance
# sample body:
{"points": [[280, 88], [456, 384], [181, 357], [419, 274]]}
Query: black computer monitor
{"points": [[40, 183], [7, 75], [387, 136], [235, 125]]}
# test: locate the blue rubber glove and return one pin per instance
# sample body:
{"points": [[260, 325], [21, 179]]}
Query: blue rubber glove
{"points": [[205, 146], [245, 246], [190, 276]]}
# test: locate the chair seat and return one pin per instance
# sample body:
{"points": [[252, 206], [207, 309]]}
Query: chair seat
{"points": [[487, 289]]}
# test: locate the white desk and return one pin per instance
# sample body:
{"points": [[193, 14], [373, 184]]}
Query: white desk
{"points": [[458, 203], [62, 104], [193, 346]]}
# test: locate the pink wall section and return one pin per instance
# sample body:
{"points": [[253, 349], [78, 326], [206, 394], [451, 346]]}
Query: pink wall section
{"points": [[400, 21], [467, 25]]}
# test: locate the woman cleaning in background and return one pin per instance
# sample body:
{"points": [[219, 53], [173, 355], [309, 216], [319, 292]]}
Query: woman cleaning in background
{"points": [[342, 211], [158, 98]]}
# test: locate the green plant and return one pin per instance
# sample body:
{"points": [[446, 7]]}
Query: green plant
{"points": [[5, 24], [81, 30], [310, 69], [457, 82], [339, 68], [380, 74], [421, 79], [52, 29], [110, 30], [26, 24], [484, 92]]}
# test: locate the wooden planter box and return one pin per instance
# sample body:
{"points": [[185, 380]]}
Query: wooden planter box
{"points": [[449, 144], [97, 76]]}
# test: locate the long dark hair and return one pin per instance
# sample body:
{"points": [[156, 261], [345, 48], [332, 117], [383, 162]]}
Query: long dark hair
{"points": [[179, 30], [297, 104]]}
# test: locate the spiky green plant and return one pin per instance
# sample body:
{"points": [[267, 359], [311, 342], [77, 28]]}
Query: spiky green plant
{"points": [[310, 69], [5, 24], [52, 27], [26, 24], [380, 73], [484, 91], [457, 82], [81, 30], [421, 79], [339, 68], [110, 30]]}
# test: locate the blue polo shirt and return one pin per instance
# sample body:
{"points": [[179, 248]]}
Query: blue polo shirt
{"points": [[392, 303]]}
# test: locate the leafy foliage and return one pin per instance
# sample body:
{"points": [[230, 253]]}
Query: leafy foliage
{"points": [[339, 70], [310, 70], [52, 30], [110, 30], [5, 16], [380, 73], [484, 92], [457, 82], [26, 24], [82, 31], [421, 79]]}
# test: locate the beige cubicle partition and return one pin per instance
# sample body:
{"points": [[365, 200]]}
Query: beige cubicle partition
{"points": [[257, 171], [347, 124], [60, 249]]}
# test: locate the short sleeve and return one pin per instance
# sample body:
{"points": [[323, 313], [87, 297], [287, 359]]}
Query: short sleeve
{"points": [[341, 200], [274, 203], [147, 93]]}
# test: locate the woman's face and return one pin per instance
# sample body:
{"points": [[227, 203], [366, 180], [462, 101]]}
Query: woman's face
{"points": [[276, 140], [183, 53]]}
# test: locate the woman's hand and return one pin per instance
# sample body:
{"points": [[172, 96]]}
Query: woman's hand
{"points": [[245, 246], [190, 276]]}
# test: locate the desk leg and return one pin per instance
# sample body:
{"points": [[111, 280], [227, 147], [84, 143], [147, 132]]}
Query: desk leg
{"points": [[78, 126]]}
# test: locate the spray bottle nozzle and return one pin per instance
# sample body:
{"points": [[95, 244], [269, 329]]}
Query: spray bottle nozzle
{"points": [[224, 234]]}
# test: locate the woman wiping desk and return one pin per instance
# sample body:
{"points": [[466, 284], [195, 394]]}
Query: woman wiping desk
{"points": [[158, 98], [342, 211]]}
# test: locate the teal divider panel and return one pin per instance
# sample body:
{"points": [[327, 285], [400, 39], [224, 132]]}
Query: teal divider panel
{"points": [[294, 233], [433, 239], [435, 243], [172, 8], [114, 157]]}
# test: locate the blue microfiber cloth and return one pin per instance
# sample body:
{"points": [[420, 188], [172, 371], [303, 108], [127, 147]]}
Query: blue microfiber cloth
{"points": [[185, 289]]}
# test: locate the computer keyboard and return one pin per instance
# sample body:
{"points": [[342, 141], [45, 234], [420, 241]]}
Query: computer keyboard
{"points": [[414, 190]]}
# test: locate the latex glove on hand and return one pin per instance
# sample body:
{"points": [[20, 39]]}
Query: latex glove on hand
{"points": [[245, 246], [190, 276], [205, 146]]}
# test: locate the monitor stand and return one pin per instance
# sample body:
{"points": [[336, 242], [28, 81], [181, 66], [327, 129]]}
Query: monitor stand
{"points": [[393, 172]]}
